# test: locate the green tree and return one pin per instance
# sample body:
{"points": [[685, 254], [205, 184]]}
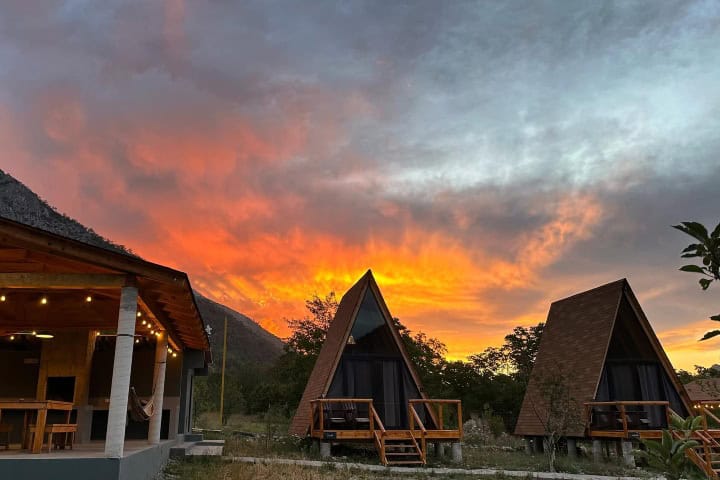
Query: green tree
{"points": [[515, 356], [285, 382], [707, 250]]}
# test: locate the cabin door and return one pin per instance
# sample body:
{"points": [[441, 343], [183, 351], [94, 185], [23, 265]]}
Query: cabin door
{"points": [[389, 393]]}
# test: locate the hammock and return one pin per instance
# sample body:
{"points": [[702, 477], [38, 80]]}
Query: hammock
{"points": [[141, 410]]}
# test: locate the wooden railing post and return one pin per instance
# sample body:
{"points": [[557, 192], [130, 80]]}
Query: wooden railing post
{"points": [[372, 417], [440, 415], [459, 415], [624, 420]]}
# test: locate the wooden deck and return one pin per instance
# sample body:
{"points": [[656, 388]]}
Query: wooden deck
{"points": [[342, 419], [630, 425]]}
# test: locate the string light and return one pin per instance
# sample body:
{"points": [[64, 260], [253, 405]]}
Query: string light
{"points": [[169, 350], [139, 314], [144, 322], [152, 332], [157, 334], [174, 355], [137, 340], [12, 337], [44, 300], [88, 299], [34, 333], [2, 298]]}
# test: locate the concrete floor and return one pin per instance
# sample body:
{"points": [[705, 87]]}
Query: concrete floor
{"points": [[94, 449]]}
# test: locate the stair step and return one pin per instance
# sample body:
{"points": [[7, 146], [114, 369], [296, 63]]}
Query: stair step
{"points": [[405, 462], [402, 454], [396, 445]]}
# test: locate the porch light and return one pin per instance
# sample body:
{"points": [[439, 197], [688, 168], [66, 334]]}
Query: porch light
{"points": [[45, 335], [351, 340]]}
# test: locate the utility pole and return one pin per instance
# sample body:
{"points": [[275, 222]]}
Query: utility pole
{"points": [[222, 375]]}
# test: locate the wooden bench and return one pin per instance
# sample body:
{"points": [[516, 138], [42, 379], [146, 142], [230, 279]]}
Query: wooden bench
{"points": [[67, 430], [5, 431]]}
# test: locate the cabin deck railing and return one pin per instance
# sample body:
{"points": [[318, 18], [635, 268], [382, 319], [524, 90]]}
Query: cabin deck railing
{"points": [[622, 419], [356, 418], [446, 415]]}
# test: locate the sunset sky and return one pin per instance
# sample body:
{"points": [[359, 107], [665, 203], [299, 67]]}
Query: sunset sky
{"points": [[483, 158]]}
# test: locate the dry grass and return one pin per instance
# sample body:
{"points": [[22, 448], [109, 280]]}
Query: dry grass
{"points": [[203, 469]]}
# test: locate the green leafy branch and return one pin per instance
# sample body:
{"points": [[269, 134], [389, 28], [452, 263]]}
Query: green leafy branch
{"points": [[708, 251]]}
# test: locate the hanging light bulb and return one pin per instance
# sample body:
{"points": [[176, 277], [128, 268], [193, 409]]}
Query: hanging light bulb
{"points": [[137, 340], [157, 334], [169, 350], [152, 332], [2, 298], [174, 355], [144, 322], [88, 299], [44, 300], [139, 314]]}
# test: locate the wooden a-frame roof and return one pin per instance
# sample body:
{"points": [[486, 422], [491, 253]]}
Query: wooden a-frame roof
{"points": [[34, 258], [575, 343], [334, 345]]}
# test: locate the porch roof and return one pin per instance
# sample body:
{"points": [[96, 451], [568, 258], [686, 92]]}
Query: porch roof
{"points": [[35, 263]]}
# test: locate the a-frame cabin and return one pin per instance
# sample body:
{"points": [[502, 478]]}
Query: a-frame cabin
{"points": [[599, 350], [364, 387]]}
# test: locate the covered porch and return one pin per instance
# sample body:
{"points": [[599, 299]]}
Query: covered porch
{"points": [[98, 350]]}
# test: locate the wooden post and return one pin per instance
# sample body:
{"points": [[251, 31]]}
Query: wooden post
{"points": [[161, 347], [624, 420], [122, 365], [460, 422], [440, 415], [372, 417]]}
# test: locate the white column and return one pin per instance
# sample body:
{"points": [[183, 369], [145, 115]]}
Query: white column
{"points": [[158, 388], [120, 389]]}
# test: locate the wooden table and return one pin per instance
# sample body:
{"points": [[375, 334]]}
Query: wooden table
{"points": [[41, 407]]}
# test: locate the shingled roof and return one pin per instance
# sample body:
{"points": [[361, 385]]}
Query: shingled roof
{"points": [[331, 351], [574, 343]]}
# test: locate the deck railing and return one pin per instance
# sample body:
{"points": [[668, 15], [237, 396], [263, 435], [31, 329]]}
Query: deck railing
{"points": [[323, 409], [418, 430], [704, 410], [446, 415], [619, 419]]}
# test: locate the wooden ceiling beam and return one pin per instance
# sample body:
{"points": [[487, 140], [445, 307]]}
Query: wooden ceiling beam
{"points": [[13, 254], [64, 281], [20, 267]]}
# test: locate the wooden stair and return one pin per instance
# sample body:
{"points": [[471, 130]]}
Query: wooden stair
{"points": [[399, 447], [706, 455]]}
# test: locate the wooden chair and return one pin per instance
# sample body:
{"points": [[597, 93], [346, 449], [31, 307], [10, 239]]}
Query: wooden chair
{"points": [[67, 430], [5, 430]]}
